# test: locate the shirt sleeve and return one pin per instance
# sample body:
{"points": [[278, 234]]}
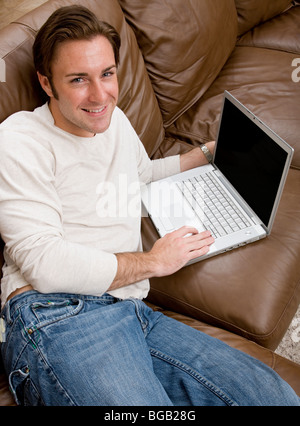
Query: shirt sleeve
{"points": [[152, 170], [31, 224], [149, 170], [165, 167]]}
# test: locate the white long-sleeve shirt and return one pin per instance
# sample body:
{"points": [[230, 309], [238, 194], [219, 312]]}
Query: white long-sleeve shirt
{"points": [[68, 203]]}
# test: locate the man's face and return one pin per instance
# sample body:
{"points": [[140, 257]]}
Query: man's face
{"points": [[84, 79]]}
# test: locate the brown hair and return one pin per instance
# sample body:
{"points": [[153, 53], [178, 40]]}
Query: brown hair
{"points": [[66, 24]]}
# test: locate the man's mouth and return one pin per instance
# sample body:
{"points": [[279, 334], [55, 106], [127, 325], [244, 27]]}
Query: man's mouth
{"points": [[95, 111]]}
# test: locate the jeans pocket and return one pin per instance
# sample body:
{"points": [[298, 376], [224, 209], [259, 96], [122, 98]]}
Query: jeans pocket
{"points": [[22, 388], [50, 311]]}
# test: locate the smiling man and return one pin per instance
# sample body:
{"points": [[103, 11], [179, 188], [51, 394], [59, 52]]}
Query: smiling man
{"points": [[77, 331], [84, 86]]}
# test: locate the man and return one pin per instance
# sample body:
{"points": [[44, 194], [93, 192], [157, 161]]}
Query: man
{"points": [[77, 331]]}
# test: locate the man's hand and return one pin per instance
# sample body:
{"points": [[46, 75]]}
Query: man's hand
{"points": [[169, 254], [175, 250]]}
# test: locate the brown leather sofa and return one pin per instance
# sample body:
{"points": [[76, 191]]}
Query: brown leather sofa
{"points": [[177, 58]]}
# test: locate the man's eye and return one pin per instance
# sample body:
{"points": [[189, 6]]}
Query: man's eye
{"points": [[77, 80]]}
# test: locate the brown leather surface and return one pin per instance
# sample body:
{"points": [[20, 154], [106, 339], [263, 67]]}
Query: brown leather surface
{"points": [[6, 398], [280, 33], [185, 44], [254, 12], [254, 77]]}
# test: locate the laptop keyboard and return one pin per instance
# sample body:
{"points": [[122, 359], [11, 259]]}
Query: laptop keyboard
{"points": [[215, 209]]}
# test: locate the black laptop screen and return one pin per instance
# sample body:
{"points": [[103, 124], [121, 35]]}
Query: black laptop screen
{"points": [[251, 161]]}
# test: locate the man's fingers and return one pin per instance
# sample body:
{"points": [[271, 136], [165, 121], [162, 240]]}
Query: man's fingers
{"points": [[199, 253], [185, 231], [203, 238]]}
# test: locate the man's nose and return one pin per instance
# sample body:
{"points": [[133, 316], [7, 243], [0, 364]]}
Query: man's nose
{"points": [[97, 92]]}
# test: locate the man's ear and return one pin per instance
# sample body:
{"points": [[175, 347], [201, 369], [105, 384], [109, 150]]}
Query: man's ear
{"points": [[45, 83]]}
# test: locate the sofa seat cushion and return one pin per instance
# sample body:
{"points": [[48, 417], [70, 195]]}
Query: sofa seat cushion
{"points": [[6, 398], [262, 80], [254, 12], [253, 291], [280, 33]]}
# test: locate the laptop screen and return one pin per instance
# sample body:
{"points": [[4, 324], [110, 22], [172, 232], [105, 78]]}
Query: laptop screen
{"points": [[250, 159]]}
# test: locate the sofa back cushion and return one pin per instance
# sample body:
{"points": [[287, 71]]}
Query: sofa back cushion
{"points": [[21, 89], [254, 12], [185, 44]]}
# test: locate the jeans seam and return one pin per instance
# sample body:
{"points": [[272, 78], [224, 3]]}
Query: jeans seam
{"points": [[194, 374], [49, 370], [139, 313]]}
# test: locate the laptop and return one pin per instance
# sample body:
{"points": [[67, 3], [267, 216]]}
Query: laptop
{"points": [[236, 196]]}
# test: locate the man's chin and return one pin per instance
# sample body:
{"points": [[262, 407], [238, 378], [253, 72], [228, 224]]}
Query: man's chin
{"points": [[102, 128]]}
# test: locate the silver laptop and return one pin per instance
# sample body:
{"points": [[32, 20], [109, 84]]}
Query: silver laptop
{"points": [[237, 195]]}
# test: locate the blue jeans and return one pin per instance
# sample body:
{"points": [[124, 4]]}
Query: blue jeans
{"points": [[63, 349]]}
